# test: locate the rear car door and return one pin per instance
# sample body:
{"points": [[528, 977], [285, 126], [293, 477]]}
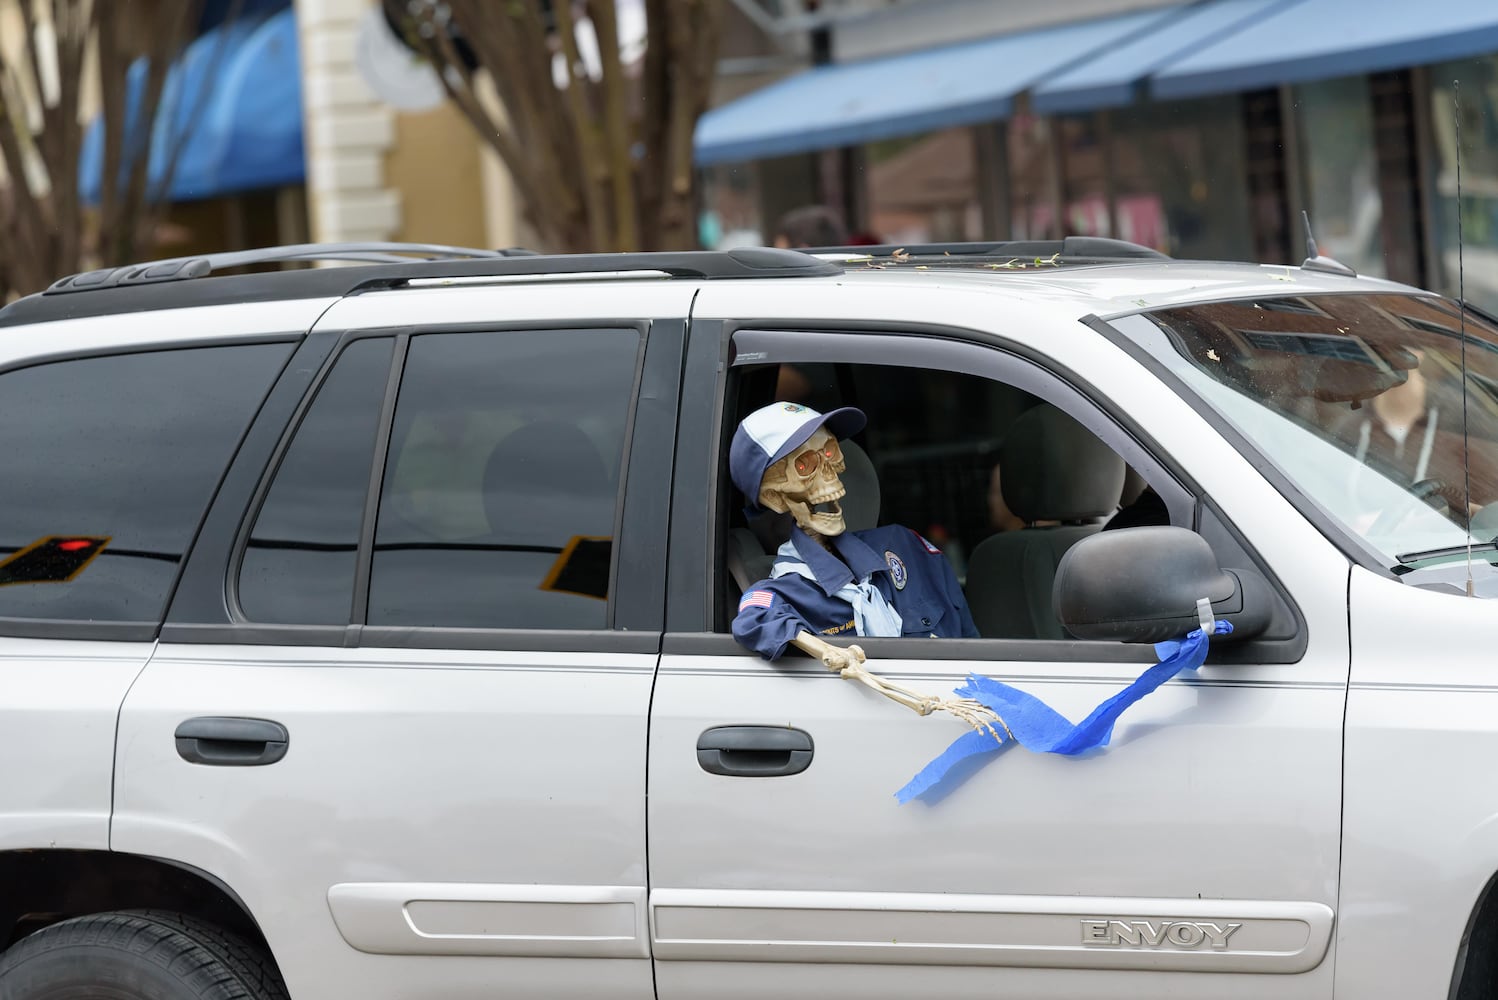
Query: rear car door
{"points": [[399, 706], [1195, 855], [114, 436]]}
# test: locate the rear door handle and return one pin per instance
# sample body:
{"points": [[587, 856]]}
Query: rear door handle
{"points": [[229, 742], [754, 751]]}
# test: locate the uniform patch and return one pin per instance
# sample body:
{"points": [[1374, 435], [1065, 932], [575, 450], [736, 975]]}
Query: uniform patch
{"points": [[794, 408], [897, 573], [756, 599], [929, 547]]}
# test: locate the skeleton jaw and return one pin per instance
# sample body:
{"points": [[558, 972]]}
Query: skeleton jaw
{"points": [[821, 514]]}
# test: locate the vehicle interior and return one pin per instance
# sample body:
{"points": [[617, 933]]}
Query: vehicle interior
{"points": [[1000, 481]]}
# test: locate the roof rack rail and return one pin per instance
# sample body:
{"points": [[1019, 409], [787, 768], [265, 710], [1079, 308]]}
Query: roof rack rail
{"points": [[181, 268], [1088, 247], [744, 262]]}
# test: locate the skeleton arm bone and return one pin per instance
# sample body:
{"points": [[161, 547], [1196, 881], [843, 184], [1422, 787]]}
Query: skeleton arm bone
{"points": [[848, 663]]}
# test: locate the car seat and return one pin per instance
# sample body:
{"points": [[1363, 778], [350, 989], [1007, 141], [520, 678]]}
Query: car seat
{"points": [[751, 549], [1054, 470]]}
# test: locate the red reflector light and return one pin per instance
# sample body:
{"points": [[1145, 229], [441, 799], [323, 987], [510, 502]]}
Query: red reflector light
{"points": [[74, 544]]}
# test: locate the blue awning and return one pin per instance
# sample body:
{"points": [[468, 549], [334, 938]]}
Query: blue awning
{"points": [[1320, 39], [231, 109], [851, 103], [1116, 77]]}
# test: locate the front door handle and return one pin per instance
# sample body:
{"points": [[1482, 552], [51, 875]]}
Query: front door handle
{"points": [[228, 742], [754, 751]]}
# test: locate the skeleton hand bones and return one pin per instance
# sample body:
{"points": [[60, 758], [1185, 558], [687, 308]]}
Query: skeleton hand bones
{"points": [[849, 664]]}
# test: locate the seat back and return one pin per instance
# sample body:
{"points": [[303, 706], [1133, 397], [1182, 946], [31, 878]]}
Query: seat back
{"points": [[1054, 469], [751, 550], [547, 472]]}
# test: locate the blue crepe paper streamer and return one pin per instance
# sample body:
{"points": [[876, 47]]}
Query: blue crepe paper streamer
{"points": [[1040, 728]]}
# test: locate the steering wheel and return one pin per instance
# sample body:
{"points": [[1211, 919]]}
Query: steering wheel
{"points": [[1423, 490]]}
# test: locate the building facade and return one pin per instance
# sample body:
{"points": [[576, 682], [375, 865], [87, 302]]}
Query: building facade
{"points": [[1202, 130]]}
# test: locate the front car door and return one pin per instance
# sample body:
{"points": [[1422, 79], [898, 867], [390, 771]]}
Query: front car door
{"points": [[1215, 807], [399, 707]]}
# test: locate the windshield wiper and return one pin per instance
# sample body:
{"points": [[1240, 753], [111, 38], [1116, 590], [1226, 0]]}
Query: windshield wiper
{"points": [[1409, 560]]}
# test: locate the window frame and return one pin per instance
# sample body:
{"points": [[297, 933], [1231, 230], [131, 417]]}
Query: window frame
{"points": [[637, 569], [699, 534], [146, 631]]}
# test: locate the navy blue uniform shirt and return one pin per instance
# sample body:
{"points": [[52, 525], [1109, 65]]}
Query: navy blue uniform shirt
{"points": [[911, 573]]}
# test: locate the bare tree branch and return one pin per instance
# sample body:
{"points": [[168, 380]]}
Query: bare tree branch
{"points": [[44, 228], [620, 166], [599, 165], [586, 130]]}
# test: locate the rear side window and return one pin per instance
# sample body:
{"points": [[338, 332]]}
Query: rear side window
{"points": [[302, 554], [501, 485], [109, 463]]}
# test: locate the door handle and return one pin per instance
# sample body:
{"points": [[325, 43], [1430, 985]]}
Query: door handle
{"points": [[228, 742], [754, 751]]}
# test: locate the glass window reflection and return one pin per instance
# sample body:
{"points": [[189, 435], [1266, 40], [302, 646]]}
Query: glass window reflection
{"points": [[499, 496]]}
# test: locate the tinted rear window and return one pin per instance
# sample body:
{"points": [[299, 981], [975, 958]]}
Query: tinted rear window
{"points": [[108, 465], [501, 485], [300, 562]]}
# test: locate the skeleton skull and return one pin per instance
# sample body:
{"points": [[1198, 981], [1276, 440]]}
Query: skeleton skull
{"points": [[806, 484]]}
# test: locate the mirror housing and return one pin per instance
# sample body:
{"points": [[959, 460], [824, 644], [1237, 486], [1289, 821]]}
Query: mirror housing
{"points": [[1142, 585]]}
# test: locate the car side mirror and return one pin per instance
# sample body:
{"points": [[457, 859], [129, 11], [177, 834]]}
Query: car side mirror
{"points": [[1142, 585]]}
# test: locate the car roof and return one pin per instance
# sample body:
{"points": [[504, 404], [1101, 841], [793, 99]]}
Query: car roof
{"points": [[1083, 276], [1119, 288]]}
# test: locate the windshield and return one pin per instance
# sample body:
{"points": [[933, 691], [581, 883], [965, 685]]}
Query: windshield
{"points": [[1365, 402]]}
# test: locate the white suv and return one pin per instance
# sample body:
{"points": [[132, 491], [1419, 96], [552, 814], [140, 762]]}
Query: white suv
{"points": [[365, 630]]}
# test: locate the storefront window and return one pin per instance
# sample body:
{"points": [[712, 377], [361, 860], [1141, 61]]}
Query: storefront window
{"points": [[924, 188], [1334, 119], [1033, 181], [1476, 91], [1084, 169], [1179, 178]]}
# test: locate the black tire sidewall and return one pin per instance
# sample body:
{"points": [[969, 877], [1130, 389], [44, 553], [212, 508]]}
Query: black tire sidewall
{"points": [[123, 956]]}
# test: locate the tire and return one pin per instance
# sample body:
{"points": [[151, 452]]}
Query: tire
{"points": [[136, 955]]}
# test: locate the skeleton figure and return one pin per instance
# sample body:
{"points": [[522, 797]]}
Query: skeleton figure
{"points": [[827, 580]]}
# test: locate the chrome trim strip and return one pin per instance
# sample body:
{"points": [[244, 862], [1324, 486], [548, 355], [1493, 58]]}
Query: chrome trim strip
{"points": [[980, 930], [525, 921]]}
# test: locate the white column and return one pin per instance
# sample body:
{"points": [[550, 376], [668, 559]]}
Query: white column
{"points": [[347, 130]]}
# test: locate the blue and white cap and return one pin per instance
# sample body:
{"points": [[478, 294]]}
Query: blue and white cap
{"points": [[772, 432]]}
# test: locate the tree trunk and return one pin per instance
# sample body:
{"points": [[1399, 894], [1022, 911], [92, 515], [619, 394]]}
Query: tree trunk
{"points": [[45, 230], [600, 155]]}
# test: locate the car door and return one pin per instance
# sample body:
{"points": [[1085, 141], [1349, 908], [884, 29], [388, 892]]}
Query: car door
{"points": [[399, 707], [1196, 855], [112, 447]]}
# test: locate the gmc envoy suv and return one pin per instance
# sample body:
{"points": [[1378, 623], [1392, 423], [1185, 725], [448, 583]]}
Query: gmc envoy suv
{"points": [[366, 630]]}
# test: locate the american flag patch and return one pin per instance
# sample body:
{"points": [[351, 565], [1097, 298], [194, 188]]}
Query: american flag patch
{"points": [[756, 599]]}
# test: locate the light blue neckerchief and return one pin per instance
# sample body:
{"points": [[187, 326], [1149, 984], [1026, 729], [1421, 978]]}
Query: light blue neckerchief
{"points": [[872, 614]]}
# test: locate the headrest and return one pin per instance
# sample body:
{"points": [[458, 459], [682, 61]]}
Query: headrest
{"points": [[545, 466], [1054, 469], [861, 505]]}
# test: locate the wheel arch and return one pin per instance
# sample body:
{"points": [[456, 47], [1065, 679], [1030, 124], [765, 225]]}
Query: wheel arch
{"points": [[41, 887], [1475, 973]]}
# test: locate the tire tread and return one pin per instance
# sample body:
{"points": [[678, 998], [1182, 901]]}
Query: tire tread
{"points": [[215, 963]]}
